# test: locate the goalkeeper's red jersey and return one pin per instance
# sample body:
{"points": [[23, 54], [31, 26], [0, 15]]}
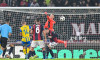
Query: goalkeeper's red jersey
{"points": [[49, 24]]}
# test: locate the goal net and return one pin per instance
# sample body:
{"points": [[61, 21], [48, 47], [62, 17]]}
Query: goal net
{"points": [[81, 28]]}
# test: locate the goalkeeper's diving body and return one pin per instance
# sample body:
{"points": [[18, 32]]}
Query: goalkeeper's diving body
{"points": [[49, 28], [52, 35]]}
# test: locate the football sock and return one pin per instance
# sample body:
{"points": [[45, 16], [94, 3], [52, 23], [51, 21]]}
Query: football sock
{"points": [[47, 48], [60, 41], [51, 52], [24, 51], [43, 54], [28, 49], [30, 54], [4, 52], [11, 49], [33, 53]]}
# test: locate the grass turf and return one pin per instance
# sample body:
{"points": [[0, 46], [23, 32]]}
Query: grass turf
{"points": [[49, 59]]}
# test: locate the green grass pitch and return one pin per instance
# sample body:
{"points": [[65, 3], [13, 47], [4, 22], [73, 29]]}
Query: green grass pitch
{"points": [[49, 59]]}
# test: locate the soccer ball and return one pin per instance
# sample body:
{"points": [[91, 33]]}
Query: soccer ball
{"points": [[62, 18]]}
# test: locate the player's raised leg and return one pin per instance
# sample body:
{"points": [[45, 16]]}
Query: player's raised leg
{"points": [[63, 42]]}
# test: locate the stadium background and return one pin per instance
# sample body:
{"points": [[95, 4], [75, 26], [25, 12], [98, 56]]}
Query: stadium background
{"points": [[88, 44], [49, 3]]}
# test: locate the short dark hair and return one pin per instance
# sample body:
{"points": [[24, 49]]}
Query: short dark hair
{"points": [[7, 20], [23, 22], [38, 20]]}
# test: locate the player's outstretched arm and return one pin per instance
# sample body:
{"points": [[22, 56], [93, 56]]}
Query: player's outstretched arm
{"points": [[47, 15]]}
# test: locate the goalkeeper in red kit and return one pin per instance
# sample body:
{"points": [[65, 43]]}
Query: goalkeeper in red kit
{"points": [[50, 22], [51, 35], [49, 25]]}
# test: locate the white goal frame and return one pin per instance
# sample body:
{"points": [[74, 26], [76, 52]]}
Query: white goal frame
{"points": [[1, 8]]}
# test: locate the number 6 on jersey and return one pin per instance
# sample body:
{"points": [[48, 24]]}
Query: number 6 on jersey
{"points": [[37, 30]]}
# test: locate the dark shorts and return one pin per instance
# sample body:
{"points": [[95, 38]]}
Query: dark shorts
{"points": [[3, 42]]}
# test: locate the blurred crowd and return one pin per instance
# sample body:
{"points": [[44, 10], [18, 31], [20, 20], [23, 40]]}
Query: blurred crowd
{"points": [[48, 3]]}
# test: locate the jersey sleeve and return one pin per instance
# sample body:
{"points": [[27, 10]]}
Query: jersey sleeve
{"points": [[10, 30], [48, 17], [20, 30], [30, 27]]}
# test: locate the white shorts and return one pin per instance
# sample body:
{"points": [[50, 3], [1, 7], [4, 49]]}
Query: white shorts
{"points": [[52, 44], [38, 43]]}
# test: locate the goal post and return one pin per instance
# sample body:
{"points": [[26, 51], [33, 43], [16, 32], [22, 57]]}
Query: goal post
{"points": [[80, 27]]}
